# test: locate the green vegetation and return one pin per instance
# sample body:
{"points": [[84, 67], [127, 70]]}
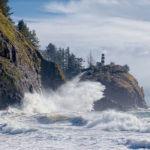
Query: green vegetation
{"points": [[9, 74], [24, 48], [29, 66], [133, 83], [126, 68], [22, 67], [68, 62], [29, 35], [60, 72], [5, 8]]}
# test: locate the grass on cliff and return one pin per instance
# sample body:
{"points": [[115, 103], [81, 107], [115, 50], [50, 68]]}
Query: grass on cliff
{"points": [[25, 49], [134, 83], [128, 81], [9, 74], [60, 72]]}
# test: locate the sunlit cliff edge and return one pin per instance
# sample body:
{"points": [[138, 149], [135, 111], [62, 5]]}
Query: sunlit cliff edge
{"points": [[22, 67]]}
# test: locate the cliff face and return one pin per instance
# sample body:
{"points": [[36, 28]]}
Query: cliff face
{"points": [[122, 90], [22, 68]]}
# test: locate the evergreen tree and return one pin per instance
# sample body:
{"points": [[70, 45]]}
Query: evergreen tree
{"points": [[68, 62], [71, 65], [51, 52], [126, 68], [33, 38], [61, 58], [22, 27], [5, 8], [66, 58], [29, 35]]}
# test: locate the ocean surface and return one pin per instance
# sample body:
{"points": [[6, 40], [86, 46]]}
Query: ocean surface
{"points": [[65, 120]]}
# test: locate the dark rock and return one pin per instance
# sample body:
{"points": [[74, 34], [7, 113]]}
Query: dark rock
{"points": [[122, 90], [22, 67], [105, 104]]}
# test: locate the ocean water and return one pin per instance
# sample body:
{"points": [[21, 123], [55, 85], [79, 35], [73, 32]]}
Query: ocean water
{"points": [[65, 120]]}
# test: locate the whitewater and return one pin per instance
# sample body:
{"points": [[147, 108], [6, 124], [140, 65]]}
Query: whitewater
{"points": [[65, 120]]}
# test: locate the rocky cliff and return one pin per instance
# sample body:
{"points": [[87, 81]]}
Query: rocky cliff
{"points": [[122, 91], [22, 67]]}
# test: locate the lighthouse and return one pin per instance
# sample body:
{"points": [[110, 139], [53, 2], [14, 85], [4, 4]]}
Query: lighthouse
{"points": [[103, 59]]}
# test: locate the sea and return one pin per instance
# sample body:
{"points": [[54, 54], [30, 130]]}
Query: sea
{"points": [[65, 120]]}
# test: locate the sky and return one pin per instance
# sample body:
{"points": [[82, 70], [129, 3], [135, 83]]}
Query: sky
{"points": [[118, 28]]}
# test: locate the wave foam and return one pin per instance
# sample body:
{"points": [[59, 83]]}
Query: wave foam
{"points": [[12, 129], [117, 121], [138, 143], [73, 96]]}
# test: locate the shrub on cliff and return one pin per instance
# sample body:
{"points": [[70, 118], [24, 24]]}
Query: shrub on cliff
{"points": [[5, 8], [29, 35], [126, 68]]}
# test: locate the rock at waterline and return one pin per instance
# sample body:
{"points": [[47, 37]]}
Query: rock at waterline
{"points": [[22, 67], [122, 91]]}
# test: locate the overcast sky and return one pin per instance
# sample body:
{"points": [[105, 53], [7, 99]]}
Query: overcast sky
{"points": [[119, 28]]}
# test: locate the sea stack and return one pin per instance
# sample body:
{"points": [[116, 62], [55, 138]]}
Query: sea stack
{"points": [[122, 91]]}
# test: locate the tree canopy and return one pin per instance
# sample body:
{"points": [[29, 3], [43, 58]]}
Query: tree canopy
{"points": [[68, 62], [5, 8], [29, 35]]}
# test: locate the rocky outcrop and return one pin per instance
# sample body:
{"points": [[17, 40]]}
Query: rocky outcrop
{"points": [[122, 91], [22, 67]]}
